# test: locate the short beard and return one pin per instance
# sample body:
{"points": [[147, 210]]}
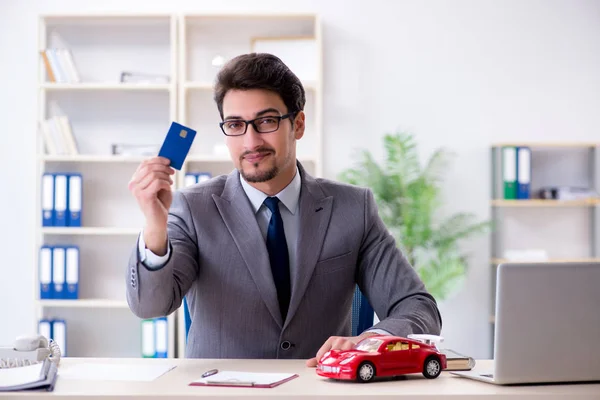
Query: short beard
{"points": [[260, 176]]}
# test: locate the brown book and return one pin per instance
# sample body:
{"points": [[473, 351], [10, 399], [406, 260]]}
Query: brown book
{"points": [[457, 361], [51, 77]]}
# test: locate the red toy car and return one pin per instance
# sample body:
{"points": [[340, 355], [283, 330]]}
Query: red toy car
{"points": [[382, 356]]}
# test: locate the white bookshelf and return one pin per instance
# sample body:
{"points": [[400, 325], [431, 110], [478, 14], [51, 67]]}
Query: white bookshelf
{"points": [[104, 111], [567, 231]]}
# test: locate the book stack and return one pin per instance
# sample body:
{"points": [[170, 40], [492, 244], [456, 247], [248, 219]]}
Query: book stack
{"points": [[58, 136], [60, 66]]}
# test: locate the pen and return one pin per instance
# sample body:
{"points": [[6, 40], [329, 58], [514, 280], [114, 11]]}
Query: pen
{"points": [[210, 372], [230, 383]]}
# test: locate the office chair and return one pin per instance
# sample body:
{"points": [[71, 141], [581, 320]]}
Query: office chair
{"points": [[362, 314]]}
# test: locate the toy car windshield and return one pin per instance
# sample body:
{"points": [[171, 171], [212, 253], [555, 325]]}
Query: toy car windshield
{"points": [[369, 345]]}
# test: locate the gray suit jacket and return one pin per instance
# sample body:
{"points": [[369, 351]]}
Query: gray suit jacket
{"points": [[220, 262]]}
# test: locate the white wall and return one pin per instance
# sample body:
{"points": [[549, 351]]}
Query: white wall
{"points": [[461, 74]]}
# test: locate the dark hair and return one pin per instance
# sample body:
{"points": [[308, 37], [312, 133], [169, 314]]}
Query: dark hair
{"points": [[260, 71]]}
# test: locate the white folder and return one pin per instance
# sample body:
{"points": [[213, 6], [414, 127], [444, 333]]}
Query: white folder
{"points": [[203, 177], [189, 180], [58, 272], [45, 273], [60, 199], [148, 339], [72, 272], [47, 198], [162, 332], [75, 194], [59, 334], [44, 328]]}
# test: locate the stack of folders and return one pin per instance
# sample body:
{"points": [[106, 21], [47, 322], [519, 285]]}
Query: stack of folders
{"points": [[155, 338], [59, 272], [458, 362], [55, 329], [516, 172], [58, 136], [192, 179], [61, 199], [59, 65]]}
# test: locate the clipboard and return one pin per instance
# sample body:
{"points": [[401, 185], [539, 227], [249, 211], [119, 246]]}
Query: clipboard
{"points": [[244, 379]]}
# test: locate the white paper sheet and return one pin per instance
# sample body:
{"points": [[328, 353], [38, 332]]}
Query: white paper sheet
{"points": [[20, 375], [238, 377], [114, 372]]}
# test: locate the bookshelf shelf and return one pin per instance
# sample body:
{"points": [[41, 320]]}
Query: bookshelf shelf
{"points": [[551, 230], [100, 86], [556, 145], [545, 203], [496, 261], [308, 85], [91, 231], [90, 158], [84, 303]]}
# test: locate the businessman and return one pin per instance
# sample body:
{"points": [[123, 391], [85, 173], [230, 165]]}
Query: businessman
{"points": [[268, 256]]}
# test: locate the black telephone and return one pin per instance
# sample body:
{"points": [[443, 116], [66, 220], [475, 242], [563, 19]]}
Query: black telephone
{"points": [[28, 350]]}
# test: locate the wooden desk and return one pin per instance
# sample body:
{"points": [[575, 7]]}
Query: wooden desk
{"points": [[309, 385]]}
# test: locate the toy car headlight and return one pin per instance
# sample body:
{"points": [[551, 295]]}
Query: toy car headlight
{"points": [[347, 360]]}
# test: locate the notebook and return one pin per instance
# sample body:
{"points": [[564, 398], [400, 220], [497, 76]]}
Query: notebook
{"points": [[244, 379], [40, 376]]}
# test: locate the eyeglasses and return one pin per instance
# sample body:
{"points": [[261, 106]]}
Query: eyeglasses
{"points": [[238, 127]]}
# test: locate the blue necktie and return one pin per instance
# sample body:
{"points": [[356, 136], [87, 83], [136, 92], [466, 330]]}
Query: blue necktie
{"points": [[278, 255]]}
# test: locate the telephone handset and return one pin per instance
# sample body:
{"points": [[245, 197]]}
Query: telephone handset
{"points": [[29, 350]]}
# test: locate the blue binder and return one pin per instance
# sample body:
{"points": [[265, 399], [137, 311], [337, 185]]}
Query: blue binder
{"points": [[203, 177], [60, 199], [45, 273], [161, 335], [72, 272], [59, 335], [47, 200], [58, 272], [45, 328], [523, 172], [74, 199]]}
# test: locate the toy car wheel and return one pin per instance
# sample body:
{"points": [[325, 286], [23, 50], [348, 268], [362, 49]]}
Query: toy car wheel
{"points": [[432, 368], [366, 372]]}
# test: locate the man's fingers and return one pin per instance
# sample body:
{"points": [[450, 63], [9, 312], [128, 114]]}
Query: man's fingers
{"points": [[155, 176], [148, 169], [157, 160], [155, 163], [311, 362], [348, 345], [326, 347]]}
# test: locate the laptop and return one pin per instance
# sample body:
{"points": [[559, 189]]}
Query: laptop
{"points": [[547, 326]]}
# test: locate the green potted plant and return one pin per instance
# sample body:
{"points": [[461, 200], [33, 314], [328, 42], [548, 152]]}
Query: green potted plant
{"points": [[409, 198]]}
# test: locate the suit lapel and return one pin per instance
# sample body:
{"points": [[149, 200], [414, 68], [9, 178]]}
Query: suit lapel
{"points": [[238, 215], [315, 212]]}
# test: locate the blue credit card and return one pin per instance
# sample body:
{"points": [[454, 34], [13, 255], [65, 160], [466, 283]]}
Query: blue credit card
{"points": [[177, 144]]}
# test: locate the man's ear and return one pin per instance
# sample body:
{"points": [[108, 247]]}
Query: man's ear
{"points": [[299, 125]]}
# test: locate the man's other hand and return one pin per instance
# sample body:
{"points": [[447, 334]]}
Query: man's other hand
{"points": [[338, 343]]}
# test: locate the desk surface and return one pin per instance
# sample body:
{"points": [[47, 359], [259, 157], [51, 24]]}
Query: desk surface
{"points": [[308, 385]]}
